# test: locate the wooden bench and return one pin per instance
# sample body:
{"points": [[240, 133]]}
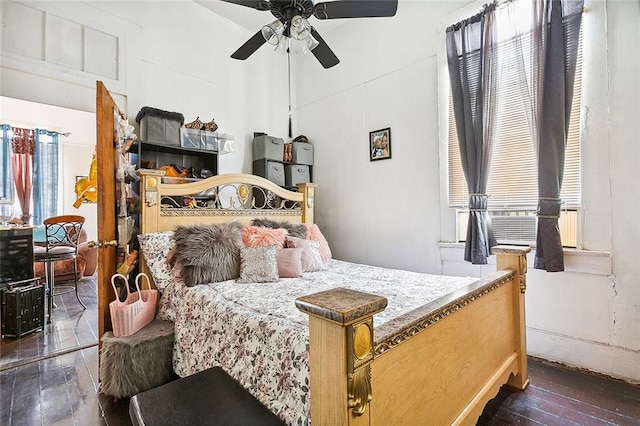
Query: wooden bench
{"points": [[210, 397]]}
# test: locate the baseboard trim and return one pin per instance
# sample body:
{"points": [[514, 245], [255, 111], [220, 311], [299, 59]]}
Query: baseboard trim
{"points": [[613, 361]]}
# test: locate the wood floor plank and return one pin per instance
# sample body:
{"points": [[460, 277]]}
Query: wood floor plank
{"points": [[610, 394], [60, 385]]}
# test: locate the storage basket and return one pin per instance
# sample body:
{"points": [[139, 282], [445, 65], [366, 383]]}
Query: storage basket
{"points": [[22, 309], [136, 311]]}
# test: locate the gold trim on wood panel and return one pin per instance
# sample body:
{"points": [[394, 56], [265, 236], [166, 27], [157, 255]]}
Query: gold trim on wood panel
{"points": [[360, 357], [437, 316], [177, 212], [523, 273], [151, 191]]}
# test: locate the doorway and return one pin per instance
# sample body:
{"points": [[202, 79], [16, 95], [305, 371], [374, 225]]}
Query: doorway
{"points": [[72, 327]]}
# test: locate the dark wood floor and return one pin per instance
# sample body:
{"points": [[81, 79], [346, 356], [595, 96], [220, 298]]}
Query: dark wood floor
{"points": [[51, 378]]}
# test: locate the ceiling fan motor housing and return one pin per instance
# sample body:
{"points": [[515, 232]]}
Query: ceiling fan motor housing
{"points": [[284, 10]]}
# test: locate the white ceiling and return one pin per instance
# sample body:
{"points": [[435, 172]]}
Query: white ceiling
{"points": [[254, 20]]}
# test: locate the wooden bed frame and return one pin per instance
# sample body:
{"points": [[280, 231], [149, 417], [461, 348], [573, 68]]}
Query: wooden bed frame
{"points": [[439, 364]]}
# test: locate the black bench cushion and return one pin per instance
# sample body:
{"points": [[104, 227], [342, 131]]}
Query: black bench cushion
{"points": [[210, 397]]}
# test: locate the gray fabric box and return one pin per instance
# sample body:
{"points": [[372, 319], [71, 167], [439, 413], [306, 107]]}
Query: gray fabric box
{"points": [[271, 170], [268, 147], [158, 126], [302, 153], [295, 174]]}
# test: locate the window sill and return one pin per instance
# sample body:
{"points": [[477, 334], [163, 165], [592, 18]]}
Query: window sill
{"points": [[580, 261]]}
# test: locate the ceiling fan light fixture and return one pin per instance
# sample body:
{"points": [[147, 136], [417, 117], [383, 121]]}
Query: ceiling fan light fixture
{"points": [[283, 45], [309, 43], [300, 28], [272, 33]]}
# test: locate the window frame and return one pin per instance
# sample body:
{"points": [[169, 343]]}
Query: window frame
{"points": [[572, 212]]}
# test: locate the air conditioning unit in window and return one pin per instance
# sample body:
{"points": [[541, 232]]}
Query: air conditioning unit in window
{"points": [[519, 227], [514, 229]]}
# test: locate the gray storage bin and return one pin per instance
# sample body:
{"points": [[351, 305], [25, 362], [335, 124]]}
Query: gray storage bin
{"points": [[272, 170], [295, 174], [268, 147], [302, 153], [158, 126]]}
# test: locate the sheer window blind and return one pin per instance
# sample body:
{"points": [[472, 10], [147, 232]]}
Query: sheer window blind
{"points": [[513, 178]]}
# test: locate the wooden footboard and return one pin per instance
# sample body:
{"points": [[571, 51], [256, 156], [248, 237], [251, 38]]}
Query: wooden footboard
{"points": [[439, 364]]}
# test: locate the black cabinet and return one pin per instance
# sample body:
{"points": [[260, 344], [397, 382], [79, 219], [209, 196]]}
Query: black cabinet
{"points": [[148, 155]]}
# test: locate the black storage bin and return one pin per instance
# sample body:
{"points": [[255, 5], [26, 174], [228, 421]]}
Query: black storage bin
{"points": [[22, 309], [158, 126]]}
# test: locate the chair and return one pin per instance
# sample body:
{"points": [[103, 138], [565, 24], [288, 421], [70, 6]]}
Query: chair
{"points": [[62, 235]]}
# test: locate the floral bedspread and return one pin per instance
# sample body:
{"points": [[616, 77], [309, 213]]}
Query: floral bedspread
{"points": [[255, 332]]}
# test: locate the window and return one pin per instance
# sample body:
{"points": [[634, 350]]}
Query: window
{"points": [[513, 185], [43, 165]]}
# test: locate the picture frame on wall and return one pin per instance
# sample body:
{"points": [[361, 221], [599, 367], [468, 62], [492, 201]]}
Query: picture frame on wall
{"points": [[380, 144]]}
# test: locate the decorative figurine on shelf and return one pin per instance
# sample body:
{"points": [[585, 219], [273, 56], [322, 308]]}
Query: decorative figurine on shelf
{"points": [[210, 126], [195, 124]]}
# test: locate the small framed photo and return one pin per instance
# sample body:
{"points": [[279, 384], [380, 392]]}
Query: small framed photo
{"points": [[380, 144]]}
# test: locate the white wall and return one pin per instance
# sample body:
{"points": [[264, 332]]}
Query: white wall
{"points": [[75, 150], [172, 55], [587, 316], [176, 57]]}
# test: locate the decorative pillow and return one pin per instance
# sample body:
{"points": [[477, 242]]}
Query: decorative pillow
{"points": [[258, 264], [208, 253], [290, 262], [314, 234], [155, 248], [295, 230], [40, 234], [258, 236], [311, 260]]}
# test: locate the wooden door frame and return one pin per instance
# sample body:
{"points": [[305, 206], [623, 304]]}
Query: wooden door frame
{"points": [[107, 218]]}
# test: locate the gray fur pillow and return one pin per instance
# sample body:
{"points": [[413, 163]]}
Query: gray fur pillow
{"points": [[208, 253], [295, 230]]}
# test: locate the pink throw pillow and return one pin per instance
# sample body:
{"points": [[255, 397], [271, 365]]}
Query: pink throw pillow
{"points": [[290, 263], [311, 259], [258, 236], [314, 234]]}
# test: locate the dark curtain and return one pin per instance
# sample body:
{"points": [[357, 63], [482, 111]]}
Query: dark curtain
{"points": [[471, 56], [560, 29]]}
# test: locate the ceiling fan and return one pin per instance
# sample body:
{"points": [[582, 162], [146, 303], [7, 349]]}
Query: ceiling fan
{"points": [[291, 23]]}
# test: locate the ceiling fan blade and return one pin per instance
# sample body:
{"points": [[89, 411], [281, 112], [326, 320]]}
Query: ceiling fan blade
{"points": [[355, 9], [322, 52], [254, 4], [249, 46]]}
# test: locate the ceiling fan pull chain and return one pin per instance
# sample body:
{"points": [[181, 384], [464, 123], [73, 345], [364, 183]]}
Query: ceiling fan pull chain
{"points": [[289, 80]]}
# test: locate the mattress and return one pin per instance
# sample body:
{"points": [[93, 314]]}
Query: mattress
{"points": [[256, 334]]}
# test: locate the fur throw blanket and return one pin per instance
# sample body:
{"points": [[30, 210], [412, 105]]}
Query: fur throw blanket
{"points": [[154, 112]]}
